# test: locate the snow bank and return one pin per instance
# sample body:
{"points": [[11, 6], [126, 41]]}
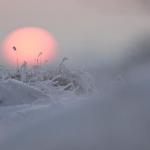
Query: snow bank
{"points": [[13, 92], [117, 119]]}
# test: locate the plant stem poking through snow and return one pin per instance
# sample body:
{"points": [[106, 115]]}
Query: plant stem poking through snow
{"points": [[40, 54], [15, 49]]}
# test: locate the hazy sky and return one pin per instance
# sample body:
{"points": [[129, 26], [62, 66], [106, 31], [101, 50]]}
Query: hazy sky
{"points": [[87, 31]]}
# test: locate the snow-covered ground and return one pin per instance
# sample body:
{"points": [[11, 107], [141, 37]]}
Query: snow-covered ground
{"points": [[113, 117], [13, 92]]}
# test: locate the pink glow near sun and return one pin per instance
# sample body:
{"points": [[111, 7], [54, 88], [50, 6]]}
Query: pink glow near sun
{"points": [[30, 43]]}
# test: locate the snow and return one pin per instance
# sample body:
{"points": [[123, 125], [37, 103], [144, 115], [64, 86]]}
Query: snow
{"points": [[13, 92], [115, 116]]}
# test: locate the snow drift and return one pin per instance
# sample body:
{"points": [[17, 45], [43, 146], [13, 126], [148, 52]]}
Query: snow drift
{"points": [[116, 118], [13, 92]]}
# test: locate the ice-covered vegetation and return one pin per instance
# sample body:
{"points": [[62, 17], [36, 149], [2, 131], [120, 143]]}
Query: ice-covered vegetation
{"points": [[42, 80]]}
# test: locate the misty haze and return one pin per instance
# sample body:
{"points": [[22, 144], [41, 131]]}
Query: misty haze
{"points": [[79, 82]]}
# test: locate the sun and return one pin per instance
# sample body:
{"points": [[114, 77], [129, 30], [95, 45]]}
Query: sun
{"points": [[31, 44]]}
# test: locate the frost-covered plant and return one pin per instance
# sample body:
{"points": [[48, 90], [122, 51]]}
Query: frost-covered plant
{"points": [[78, 81]]}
